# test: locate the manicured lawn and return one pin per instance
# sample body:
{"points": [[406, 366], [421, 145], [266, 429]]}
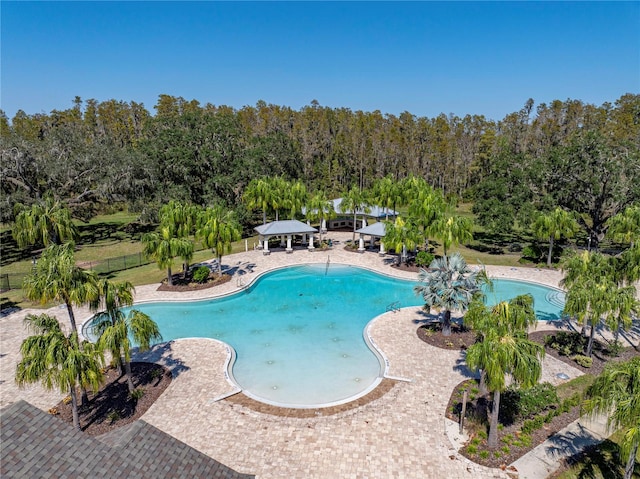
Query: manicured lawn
{"points": [[105, 236]]}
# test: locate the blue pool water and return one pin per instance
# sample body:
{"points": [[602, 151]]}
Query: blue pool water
{"points": [[298, 331]]}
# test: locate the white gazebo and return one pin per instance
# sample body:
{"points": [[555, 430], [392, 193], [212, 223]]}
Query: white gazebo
{"points": [[375, 230], [284, 229]]}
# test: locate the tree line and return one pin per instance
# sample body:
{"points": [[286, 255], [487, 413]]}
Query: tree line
{"points": [[581, 157]]}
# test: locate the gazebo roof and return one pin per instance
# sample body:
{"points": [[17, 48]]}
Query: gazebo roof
{"points": [[285, 227], [374, 229]]}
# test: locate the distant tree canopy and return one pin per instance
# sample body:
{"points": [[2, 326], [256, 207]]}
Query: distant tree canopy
{"points": [[578, 156]]}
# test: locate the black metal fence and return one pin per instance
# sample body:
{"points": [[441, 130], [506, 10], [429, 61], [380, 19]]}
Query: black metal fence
{"points": [[11, 281], [119, 263], [105, 266]]}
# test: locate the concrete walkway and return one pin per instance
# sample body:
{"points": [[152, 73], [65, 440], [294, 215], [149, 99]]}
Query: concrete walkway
{"points": [[402, 434], [546, 458]]}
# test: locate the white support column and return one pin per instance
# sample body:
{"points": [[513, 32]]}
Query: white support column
{"points": [[311, 247], [289, 248], [361, 244], [382, 250], [265, 249]]}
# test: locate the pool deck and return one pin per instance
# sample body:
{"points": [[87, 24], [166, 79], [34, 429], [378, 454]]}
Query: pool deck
{"points": [[402, 434]]}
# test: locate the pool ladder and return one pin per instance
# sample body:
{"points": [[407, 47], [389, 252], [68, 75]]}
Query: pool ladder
{"points": [[393, 307]]}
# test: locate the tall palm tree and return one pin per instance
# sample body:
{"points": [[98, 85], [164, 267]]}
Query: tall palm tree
{"points": [[616, 393], [388, 193], [259, 195], [320, 208], [554, 226], [449, 284], [164, 246], [353, 201], [57, 278], [218, 230], [181, 218], [505, 351], [279, 188], [295, 196], [45, 222], [426, 205], [58, 361], [593, 294], [401, 235], [114, 330], [451, 230]]}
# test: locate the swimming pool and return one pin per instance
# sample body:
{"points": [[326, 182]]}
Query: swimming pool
{"points": [[298, 331]]}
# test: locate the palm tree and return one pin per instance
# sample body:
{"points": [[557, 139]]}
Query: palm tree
{"points": [[616, 392], [57, 278], [181, 218], [505, 350], [259, 195], [401, 235], [218, 230], [353, 201], [58, 361], [593, 293], [114, 330], [320, 208], [163, 246], [46, 222], [625, 226], [554, 226], [295, 196], [449, 284], [426, 205], [451, 230], [388, 193]]}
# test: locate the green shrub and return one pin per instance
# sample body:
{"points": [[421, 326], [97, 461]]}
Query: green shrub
{"points": [[525, 403], [506, 449], [531, 425], [532, 252], [584, 361], [615, 348], [567, 343], [113, 416], [550, 415], [472, 449], [424, 258], [201, 274], [507, 439], [136, 394], [484, 454], [525, 439]]}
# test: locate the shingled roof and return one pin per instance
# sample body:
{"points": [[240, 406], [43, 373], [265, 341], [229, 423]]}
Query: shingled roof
{"points": [[36, 444]]}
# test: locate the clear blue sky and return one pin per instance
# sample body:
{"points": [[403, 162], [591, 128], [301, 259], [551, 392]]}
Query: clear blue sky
{"points": [[423, 57]]}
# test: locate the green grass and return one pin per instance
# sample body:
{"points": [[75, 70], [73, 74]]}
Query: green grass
{"points": [[601, 462], [576, 386]]}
